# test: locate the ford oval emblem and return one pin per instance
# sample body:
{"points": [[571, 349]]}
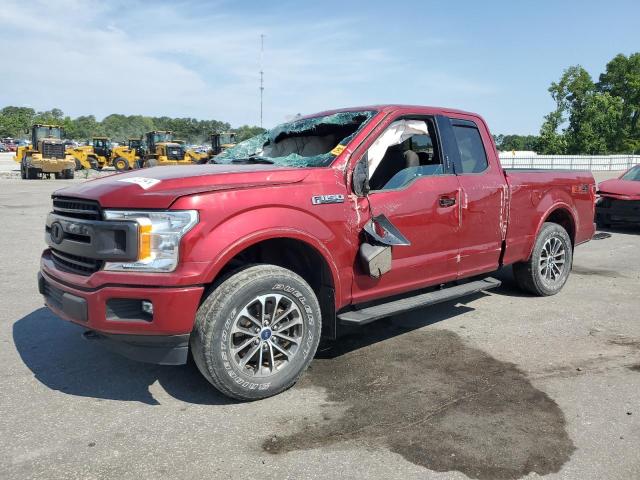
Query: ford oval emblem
{"points": [[57, 233]]}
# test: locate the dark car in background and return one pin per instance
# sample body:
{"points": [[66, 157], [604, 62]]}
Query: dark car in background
{"points": [[619, 201]]}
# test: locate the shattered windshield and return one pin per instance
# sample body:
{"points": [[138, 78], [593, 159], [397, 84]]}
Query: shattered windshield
{"points": [[308, 142], [633, 174]]}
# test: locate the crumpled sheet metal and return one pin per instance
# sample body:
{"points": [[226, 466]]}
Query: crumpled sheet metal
{"points": [[255, 146]]}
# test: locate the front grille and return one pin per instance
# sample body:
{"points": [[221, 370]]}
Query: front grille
{"points": [[74, 263], [52, 150], [625, 206], [77, 208], [53, 295], [174, 153]]}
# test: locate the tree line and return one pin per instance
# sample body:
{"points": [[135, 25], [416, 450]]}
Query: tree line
{"points": [[15, 121], [595, 118]]}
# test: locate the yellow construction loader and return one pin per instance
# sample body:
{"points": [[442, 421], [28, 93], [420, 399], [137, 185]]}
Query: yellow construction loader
{"points": [[100, 154], [162, 150], [195, 157], [221, 141], [46, 155]]}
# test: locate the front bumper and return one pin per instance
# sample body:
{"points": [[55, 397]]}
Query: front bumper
{"points": [[110, 311], [613, 210]]}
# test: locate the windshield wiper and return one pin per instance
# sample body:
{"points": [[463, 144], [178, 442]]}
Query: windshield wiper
{"points": [[252, 160]]}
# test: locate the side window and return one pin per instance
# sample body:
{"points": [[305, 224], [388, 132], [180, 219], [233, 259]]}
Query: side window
{"points": [[406, 150], [473, 158]]}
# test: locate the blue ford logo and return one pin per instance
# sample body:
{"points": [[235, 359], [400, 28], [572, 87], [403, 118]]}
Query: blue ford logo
{"points": [[57, 233], [266, 334]]}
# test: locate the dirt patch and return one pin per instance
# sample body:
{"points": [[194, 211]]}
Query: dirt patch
{"points": [[600, 272], [436, 401]]}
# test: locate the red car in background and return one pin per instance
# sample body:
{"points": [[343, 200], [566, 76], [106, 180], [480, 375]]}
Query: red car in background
{"points": [[619, 200]]}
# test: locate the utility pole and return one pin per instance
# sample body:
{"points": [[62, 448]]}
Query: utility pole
{"points": [[261, 74]]}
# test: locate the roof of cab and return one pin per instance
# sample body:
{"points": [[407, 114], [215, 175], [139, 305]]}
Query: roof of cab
{"points": [[388, 108]]}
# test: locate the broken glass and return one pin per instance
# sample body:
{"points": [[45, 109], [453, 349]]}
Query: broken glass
{"points": [[308, 142]]}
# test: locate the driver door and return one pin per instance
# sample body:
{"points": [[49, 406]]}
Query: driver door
{"points": [[412, 185]]}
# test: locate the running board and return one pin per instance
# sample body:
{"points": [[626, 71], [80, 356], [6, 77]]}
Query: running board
{"points": [[370, 314]]}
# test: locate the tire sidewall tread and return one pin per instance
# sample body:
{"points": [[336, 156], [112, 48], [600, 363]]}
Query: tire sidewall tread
{"points": [[216, 316], [527, 274]]}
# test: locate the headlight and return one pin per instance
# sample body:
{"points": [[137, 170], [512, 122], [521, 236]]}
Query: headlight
{"points": [[159, 235]]}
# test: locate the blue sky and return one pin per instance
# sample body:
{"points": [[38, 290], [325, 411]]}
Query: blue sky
{"points": [[201, 59]]}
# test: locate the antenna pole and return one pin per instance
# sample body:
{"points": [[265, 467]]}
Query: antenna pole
{"points": [[261, 74]]}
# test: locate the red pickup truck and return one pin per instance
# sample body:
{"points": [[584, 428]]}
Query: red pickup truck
{"points": [[337, 218]]}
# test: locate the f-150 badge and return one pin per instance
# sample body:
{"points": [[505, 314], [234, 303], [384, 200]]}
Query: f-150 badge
{"points": [[322, 199]]}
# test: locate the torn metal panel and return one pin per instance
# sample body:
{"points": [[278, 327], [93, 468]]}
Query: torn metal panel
{"points": [[390, 234]]}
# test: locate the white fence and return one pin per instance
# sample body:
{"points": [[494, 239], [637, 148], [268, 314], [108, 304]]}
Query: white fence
{"points": [[570, 162]]}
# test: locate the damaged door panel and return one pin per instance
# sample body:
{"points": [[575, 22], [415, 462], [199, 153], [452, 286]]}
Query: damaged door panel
{"points": [[376, 253], [408, 178]]}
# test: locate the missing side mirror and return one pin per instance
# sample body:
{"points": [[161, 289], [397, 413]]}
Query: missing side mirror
{"points": [[360, 180]]}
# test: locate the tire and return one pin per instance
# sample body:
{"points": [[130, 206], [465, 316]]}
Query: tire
{"points": [[120, 164], [537, 275], [23, 174], [78, 164], [152, 162], [68, 174], [257, 290], [31, 173], [59, 175]]}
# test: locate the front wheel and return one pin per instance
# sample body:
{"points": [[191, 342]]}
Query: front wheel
{"points": [[546, 272], [121, 164], [256, 332]]}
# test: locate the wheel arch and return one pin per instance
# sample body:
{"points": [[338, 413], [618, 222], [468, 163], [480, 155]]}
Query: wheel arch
{"points": [[291, 249]]}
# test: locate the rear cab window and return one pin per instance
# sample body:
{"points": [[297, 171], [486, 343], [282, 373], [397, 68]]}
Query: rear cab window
{"points": [[472, 155]]}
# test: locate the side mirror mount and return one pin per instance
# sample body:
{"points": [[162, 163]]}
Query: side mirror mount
{"points": [[360, 179]]}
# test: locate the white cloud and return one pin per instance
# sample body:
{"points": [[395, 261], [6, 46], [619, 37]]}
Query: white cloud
{"points": [[176, 60]]}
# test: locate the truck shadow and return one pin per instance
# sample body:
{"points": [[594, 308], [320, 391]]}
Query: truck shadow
{"points": [[62, 360], [621, 228]]}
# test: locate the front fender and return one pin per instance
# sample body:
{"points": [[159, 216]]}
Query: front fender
{"points": [[237, 233]]}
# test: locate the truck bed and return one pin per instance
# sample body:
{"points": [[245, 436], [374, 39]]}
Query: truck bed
{"points": [[534, 194]]}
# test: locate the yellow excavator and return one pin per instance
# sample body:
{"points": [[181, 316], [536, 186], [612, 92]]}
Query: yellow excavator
{"points": [[162, 149], [46, 155]]}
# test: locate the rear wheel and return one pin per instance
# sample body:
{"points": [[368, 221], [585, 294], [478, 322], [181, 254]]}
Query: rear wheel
{"points": [[78, 164], [152, 162], [120, 164], [546, 272], [68, 174], [256, 332]]}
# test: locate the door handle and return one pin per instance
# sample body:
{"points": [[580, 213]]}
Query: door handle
{"points": [[447, 201]]}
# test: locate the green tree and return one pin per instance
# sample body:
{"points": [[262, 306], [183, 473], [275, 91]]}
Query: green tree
{"points": [[15, 121], [245, 131], [622, 79], [516, 142]]}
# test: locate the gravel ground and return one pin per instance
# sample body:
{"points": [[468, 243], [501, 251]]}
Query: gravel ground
{"points": [[499, 385]]}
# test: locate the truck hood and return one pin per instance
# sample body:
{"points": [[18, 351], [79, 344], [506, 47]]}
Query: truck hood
{"points": [[159, 187], [620, 188]]}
